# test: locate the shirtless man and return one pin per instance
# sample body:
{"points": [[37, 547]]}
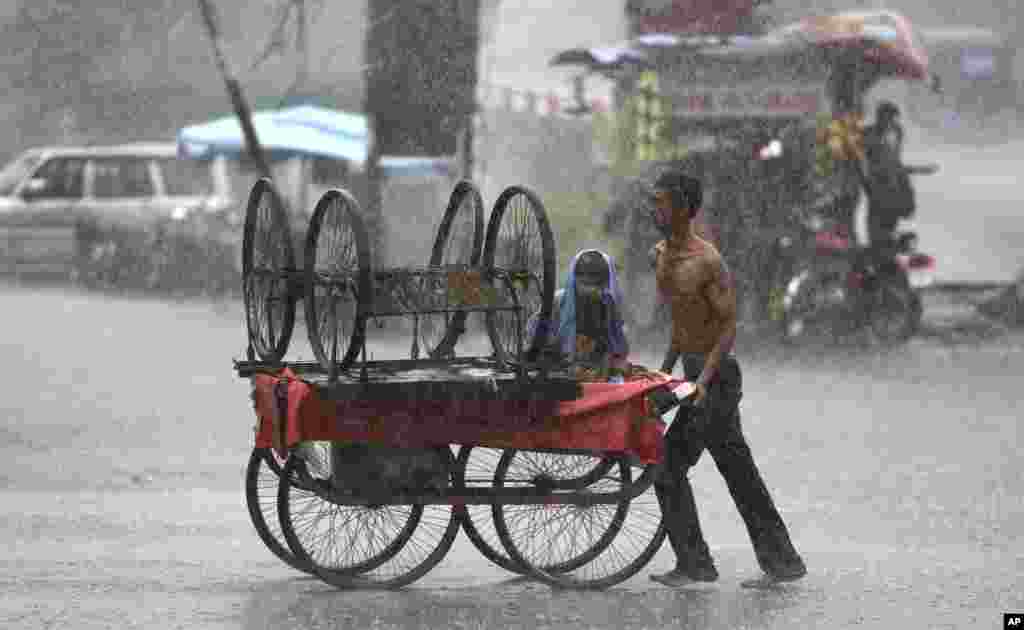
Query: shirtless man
{"points": [[695, 280]]}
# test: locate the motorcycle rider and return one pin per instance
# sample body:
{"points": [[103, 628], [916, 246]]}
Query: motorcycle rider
{"points": [[887, 181]]}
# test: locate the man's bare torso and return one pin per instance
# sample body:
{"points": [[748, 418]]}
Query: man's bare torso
{"points": [[683, 274]]}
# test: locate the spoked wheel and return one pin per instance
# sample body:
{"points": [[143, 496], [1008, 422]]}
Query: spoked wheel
{"points": [[570, 546], [261, 482], [337, 280], [267, 258], [520, 243], [459, 241], [477, 466], [342, 540], [359, 546]]}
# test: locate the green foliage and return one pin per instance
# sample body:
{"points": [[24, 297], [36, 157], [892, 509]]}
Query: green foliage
{"points": [[576, 222], [619, 133]]}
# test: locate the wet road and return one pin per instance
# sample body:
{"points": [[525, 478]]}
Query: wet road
{"points": [[125, 435]]}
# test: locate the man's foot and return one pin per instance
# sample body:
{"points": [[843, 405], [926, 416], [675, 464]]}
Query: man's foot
{"points": [[777, 576], [679, 577], [788, 572], [674, 578]]}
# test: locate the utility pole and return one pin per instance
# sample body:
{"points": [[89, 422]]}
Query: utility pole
{"points": [[379, 14], [421, 69]]}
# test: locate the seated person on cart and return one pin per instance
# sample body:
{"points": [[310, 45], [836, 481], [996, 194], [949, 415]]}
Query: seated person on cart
{"points": [[586, 321]]}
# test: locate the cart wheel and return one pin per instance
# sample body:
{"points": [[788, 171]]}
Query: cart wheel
{"points": [[337, 280], [330, 537], [267, 259], [476, 466], [520, 242], [261, 481], [412, 539], [618, 539], [458, 242]]}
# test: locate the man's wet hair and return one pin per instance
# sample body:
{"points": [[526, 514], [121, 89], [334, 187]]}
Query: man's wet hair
{"points": [[687, 192]]}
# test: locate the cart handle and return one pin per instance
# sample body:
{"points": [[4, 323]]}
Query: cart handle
{"points": [[664, 400]]}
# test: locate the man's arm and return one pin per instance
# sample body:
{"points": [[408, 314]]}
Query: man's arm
{"points": [[721, 294]]}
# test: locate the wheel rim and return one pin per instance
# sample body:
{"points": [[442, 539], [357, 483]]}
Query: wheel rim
{"points": [[557, 538], [337, 278], [458, 243], [641, 533], [340, 539], [267, 255], [413, 554], [476, 470], [262, 476], [519, 241]]}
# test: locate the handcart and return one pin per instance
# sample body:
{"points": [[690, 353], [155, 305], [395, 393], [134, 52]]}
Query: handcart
{"points": [[354, 477]]}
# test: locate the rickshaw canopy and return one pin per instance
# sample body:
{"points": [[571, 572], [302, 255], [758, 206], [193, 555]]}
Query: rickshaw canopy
{"points": [[885, 38]]}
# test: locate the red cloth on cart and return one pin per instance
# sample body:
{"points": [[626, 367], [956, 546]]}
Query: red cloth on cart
{"points": [[608, 418]]}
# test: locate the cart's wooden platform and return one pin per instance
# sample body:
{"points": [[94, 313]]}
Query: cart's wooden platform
{"points": [[607, 418], [472, 378]]}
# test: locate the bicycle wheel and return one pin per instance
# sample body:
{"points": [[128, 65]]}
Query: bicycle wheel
{"points": [[477, 467], [314, 524], [267, 259], [577, 546], [458, 243], [409, 539], [337, 268], [262, 475], [520, 243]]}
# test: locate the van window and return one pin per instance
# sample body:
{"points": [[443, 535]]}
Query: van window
{"points": [[16, 171], [186, 178], [63, 177], [121, 177]]}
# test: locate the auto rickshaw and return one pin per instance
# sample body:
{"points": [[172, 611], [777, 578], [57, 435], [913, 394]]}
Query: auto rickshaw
{"points": [[770, 122]]}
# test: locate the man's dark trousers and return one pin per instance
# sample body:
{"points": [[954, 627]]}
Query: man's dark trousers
{"points": [[715, 426]]}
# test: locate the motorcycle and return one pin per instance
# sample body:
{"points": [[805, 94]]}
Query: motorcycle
{"points": [[840, 288]]}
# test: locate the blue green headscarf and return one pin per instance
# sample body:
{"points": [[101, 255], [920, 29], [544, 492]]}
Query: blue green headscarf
{"points": [[611, 297]]}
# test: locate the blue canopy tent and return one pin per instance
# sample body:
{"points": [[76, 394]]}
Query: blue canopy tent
{"points": [[302, 131]]}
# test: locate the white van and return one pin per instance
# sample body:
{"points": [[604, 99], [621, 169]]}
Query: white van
{"points": [[46, 194]]}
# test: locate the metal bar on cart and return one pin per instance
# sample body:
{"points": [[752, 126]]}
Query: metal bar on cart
{"points": [[492, 495], [426, 379], [394, 366]]}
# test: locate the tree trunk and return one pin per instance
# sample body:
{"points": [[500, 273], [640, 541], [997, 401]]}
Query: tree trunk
{"points": [[420, 86]]}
